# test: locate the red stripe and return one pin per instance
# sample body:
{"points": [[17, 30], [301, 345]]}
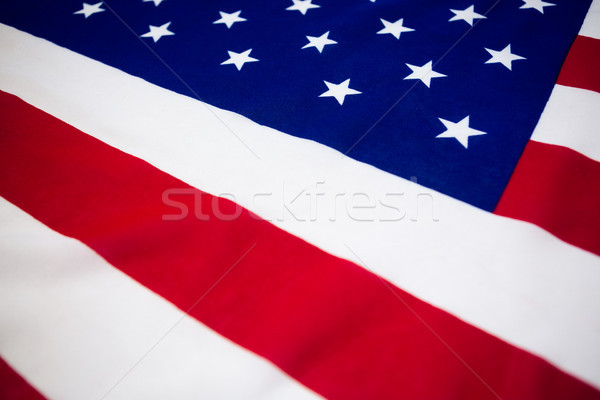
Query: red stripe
{"points": [[330, 324], [582, 66], [558, 189], [13, 387]]}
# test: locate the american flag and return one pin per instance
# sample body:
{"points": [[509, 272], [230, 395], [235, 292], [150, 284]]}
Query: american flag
{"points": [[344, 199]]}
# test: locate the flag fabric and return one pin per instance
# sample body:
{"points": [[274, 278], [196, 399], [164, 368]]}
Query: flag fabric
{"points": [[300, 199]]}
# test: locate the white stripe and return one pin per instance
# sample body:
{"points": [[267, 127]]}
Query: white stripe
{"points": [[571, 119], [591, 25], [507, 277], [73, 326]]}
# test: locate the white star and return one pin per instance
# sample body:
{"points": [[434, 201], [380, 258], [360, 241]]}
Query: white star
{"points": [[319, 42], [394, 28], [459, 131], [302, 5], [424, 73], [230, 19], [537, 4], [156, 2], [239, 59], [504, 57], [89, 9], [156, 32], [339, 91], [468, 15]]}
